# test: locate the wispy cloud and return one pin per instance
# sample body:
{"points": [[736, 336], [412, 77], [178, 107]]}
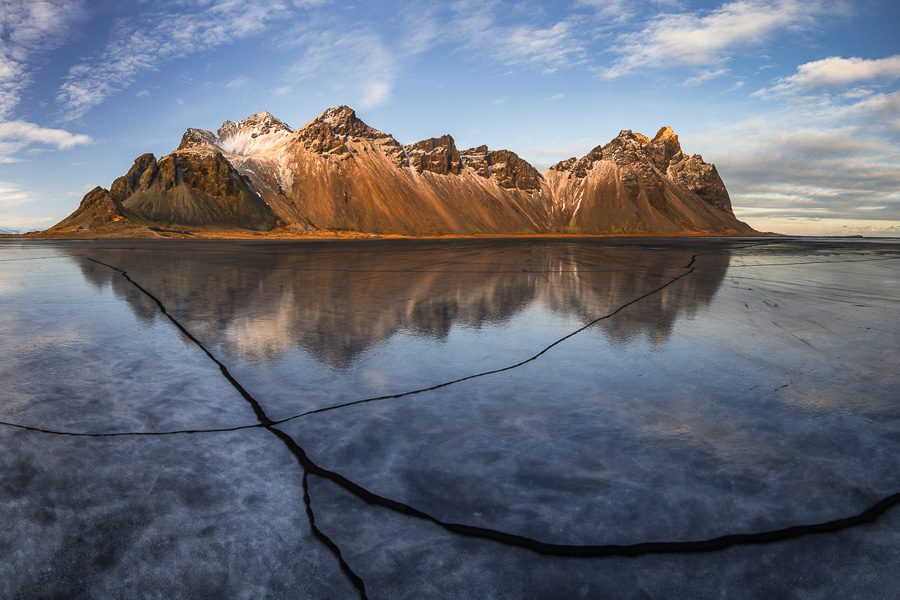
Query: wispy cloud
{"points": [[356, 61], [364, 62], [155, 38], [812, 157], [880, 110], [613, 12], [422, 28], [238, 83], [699, 39], [282, 90], [705, 75], [29, 28], [837, 72], [12, 195], [12, 198], [830, 144], [479, 25]]}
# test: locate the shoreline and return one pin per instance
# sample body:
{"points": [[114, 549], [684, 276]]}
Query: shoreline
{"points": [[350, 236]]}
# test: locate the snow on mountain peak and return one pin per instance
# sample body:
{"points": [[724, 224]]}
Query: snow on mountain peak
{"points": [[256, 134]]}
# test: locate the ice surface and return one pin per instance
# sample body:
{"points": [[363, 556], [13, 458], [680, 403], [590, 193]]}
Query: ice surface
{"points": [[735, 386]]}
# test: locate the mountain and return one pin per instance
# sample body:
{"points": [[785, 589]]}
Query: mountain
{"points": [[8, 231], [337, 173]]}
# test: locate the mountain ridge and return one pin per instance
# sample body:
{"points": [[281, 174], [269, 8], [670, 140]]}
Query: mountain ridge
{"points": [[339, 174]]}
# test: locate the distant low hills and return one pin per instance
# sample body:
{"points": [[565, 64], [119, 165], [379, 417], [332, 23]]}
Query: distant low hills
{"points": [[338, 174]]}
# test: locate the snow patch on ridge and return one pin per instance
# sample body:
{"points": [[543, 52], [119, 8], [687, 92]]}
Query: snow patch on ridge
{"points": [[249, 143]]}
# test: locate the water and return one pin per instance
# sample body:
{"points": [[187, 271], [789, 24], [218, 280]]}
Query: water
{"points": [[714, 387]]}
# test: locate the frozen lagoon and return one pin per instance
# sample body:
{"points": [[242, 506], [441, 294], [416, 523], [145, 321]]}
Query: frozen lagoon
{"points": [[714, 388]]}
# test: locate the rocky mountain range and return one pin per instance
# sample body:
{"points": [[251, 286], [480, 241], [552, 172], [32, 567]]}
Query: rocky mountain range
{"points": [[338, 174]]}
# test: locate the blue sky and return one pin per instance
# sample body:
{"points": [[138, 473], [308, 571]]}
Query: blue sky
{"points": [[797, 102]]}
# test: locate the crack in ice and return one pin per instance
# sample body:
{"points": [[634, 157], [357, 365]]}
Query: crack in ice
{"points": [[265, 422], [310, 467]]}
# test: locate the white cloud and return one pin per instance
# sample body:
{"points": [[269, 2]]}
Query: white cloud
{"points": [[612, 11], [347, 54], [421, 28], [823, 225], [355, 61], [12, 195], [479, 24], [811, 158], [376, 92], [282, 90], [22, 223], [552, 45], [704, 76], [163, 36], [31, 133], [16, 137], [12, 198], [696, 39], [879, 110], [29, 28], [238, 83], [836, 71]]}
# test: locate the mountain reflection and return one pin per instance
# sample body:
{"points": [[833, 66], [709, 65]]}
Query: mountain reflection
{"points": [[259, 301]]}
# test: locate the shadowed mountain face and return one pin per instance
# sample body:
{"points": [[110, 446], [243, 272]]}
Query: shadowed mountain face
{"points": [[337, 173], [336, 302]]}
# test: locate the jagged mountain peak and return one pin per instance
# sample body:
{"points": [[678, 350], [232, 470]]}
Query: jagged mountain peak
{"points": [[342, 111], [342, 120], [664, 149], [261, 123], [437, 155], [627, 135], [332, 131], [580, 166], [633, 148], [505, 167], [665, 133], [197, 138], [627, 148]]}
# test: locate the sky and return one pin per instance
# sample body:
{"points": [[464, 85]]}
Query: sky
{"points": [[797, 102]]}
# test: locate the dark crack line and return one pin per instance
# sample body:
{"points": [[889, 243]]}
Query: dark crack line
{"points": [[344, 404], [534, 357], [459, 272], [868, 515], [324, 409], [261, 416], [130, 433], [564, 550], [265, 422], [357, 581]]}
